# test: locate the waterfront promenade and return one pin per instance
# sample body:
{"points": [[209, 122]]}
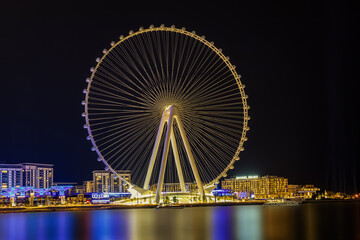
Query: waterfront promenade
{"points": [[87, 207]]}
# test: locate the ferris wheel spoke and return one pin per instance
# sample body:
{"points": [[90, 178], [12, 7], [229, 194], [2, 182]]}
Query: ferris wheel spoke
{"points": [[105, 88], [216, 137], [193, 56], [119, 147], [220, 89], [206, 69], [129, 121], [216, 107], [230, 96], [187, 58], [117, 105], [108, 95], [217, 123], [216, 133], [175, 49], [137, 53], [155, 88], [202, 150], [204, 80], [124, 149], [121, 125], [147, 61], [102, 122], [159, 54], [112, 77], [133, 153], [155, 118], [234, 121], [197, 72], [152, 57], [200, 89], [166, 52], [107, 131], [183, 45], [116, 134]]}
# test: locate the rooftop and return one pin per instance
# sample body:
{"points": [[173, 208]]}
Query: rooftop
{"points": [[20, 165]]}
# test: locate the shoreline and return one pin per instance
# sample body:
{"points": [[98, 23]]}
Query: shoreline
{"points": [[67, 208], [4, 210]]}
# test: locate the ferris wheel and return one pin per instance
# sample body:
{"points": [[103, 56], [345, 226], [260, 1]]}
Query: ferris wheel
{"points": [[168, 105]]}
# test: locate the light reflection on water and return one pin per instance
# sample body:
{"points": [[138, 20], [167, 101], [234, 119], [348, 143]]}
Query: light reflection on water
{"points": [[249, 223], [308, 221]]}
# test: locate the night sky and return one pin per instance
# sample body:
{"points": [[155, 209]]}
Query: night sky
{"points": [[299, 62]]}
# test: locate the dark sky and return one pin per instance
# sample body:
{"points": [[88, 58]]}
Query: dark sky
{"points": [[299, 62]]}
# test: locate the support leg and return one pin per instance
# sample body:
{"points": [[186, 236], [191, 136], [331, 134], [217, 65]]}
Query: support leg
{"points": [[177, 162], [154, 152], [164, 156], [190, 155]]}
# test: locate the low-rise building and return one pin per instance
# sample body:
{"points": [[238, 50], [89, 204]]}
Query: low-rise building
{"points": [[88, 186], [307, 191], [293, 190]]}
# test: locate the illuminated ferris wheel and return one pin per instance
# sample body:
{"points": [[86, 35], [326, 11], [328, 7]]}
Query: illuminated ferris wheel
{"points": [[168, 105]]}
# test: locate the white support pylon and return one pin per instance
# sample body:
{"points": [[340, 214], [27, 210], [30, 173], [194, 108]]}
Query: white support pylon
{"points": [[165, 154], [154, 152], [177, 161], [190, 155], [169, 115]]}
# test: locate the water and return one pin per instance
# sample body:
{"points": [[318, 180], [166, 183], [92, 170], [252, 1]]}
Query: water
{"points": [[307, 221]]}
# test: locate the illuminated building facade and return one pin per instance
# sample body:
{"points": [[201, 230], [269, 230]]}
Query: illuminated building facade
{"points": [[307, 191], [175, 187], [10, 176], [26, 175], [104, 181], [258, 187], [38, 175], [293, 190], [88, 186]]}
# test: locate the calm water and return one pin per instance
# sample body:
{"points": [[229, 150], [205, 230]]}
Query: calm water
{"points": [[307, 221]]}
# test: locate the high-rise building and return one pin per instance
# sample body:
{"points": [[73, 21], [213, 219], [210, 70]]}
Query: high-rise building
{"points": [[104, 181], [258, 187], [26, 175]]}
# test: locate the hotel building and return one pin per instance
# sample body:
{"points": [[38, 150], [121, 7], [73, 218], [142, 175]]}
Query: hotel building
{"points": [[34, 175], [257, 187], [104, 181]]}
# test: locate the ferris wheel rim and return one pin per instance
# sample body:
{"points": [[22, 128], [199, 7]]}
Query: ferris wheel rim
{"points": [[203, 40]]}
